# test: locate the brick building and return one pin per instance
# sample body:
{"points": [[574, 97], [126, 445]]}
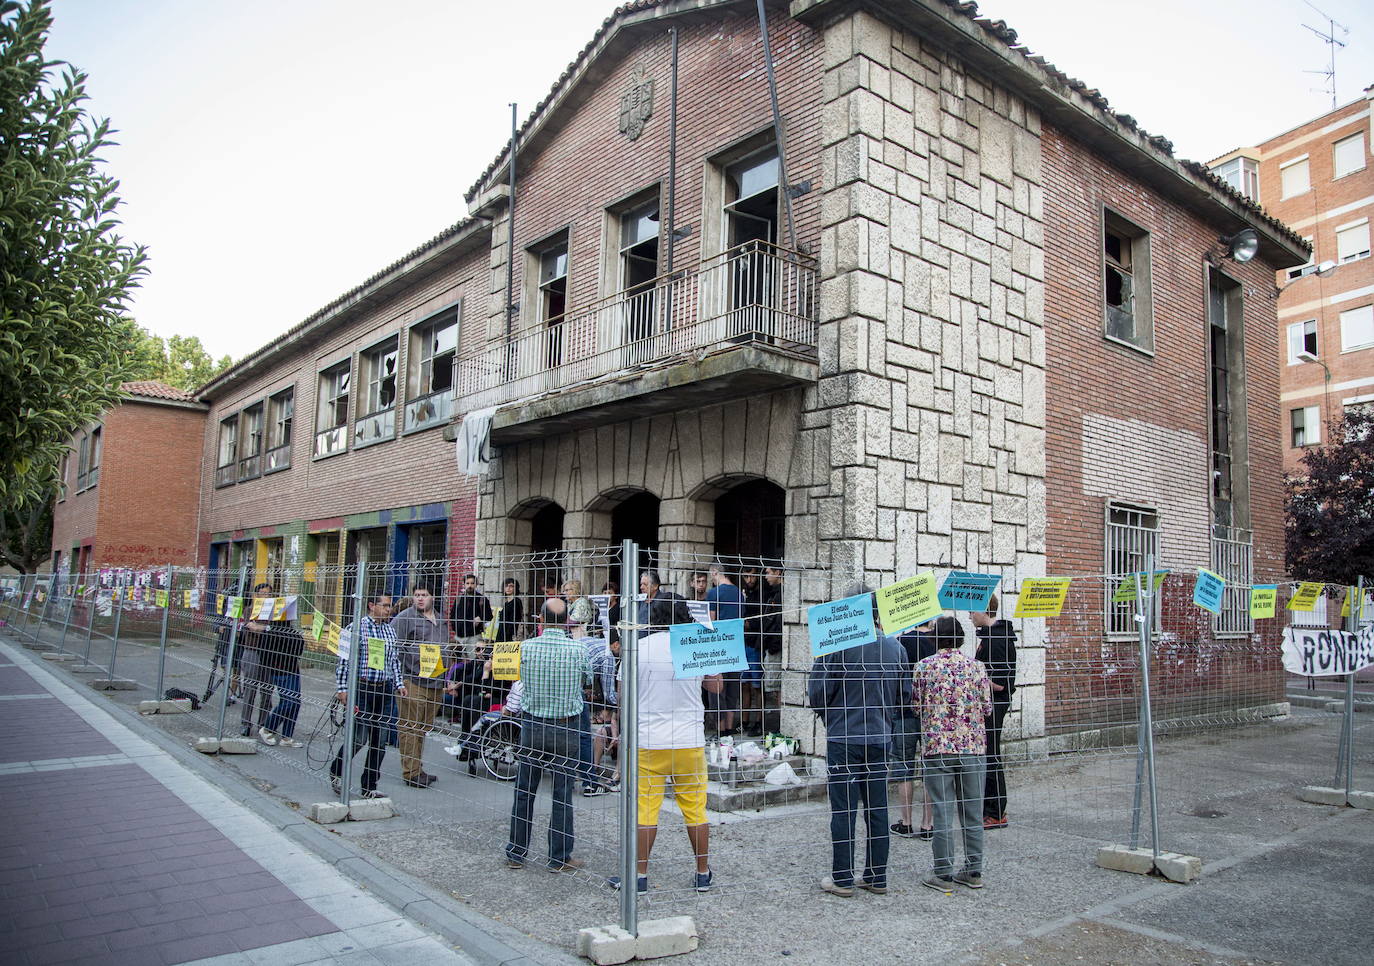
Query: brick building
{"points": [[1318, 179], [129, 494], [944, 310]]}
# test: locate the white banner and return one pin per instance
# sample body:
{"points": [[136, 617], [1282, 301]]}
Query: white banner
{"points": [[474, 442], [1320, 652]]}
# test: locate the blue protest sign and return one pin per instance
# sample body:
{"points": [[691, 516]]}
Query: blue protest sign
{"points": [[840, 624], [699, 650], [965, 591], [1207, 591]]}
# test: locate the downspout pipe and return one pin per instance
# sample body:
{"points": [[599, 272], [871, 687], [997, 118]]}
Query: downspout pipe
{"points": [[777, 125]]}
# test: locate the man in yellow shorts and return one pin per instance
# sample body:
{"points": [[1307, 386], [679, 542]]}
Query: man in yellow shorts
{"points": [[672, 748]]}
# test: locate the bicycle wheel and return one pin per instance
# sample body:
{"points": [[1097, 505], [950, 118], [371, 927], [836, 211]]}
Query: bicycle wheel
{"points": [[500, 750]]}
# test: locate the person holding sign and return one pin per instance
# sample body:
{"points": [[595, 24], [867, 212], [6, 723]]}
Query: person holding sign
{"points": [[421, 636], [555, 669], [254, 676], [856, 692], [280, 646], [373, 642], [997, 651], [954, 696]]}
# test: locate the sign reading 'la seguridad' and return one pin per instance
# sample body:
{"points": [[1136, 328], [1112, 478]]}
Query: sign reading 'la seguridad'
{"points": [[1319, 652]]}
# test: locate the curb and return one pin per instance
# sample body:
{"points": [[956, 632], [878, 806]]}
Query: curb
{"points": [[487, 942]]}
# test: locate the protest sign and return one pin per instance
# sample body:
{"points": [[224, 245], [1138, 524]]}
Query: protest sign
{"points": [[505, 660], [1320, 652], [1305, 597], [1263, 597], [701, 612], [1042, 596], [1208, 590], [698, 651], [908, 603], [1125, 592], [966, 591], [841, 624]]}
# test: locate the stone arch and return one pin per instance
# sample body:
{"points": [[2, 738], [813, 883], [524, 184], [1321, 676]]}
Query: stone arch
{"points": [[625, 513], [534, 534]]}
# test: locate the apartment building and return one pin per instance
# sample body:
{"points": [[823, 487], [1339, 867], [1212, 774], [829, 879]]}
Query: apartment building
{"points": [[129, 489], [1317, 178], [912, 299]]}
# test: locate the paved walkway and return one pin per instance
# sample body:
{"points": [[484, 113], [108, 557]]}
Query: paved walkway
{"points": [[113, 852]]}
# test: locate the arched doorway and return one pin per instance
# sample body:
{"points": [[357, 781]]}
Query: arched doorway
{"points": [[546, 549], [750, 518], [636, 518]]}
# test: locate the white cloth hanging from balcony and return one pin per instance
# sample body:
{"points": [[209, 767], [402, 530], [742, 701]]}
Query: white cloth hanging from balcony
{"points": [[474, 442]]}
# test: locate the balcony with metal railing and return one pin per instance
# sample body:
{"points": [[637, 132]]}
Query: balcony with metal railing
{"points": [[735, 325]]}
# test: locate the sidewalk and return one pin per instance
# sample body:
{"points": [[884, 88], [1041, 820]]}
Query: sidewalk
{"points": [[113, 852]]}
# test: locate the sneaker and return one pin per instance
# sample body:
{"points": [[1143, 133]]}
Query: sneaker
{"points": [[614, 882], [973, 880], [904, 830], [878, 889], [337, 785], [590, 790], [515, 863], [266, 737], [572, 865], [371, 793], [925, 834], [992, 821], [939, 884], [835, 889], [286, 742], [703, 881]]}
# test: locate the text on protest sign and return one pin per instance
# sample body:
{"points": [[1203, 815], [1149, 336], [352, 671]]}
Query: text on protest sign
{"points": [[698, 651], [841, 624], [1042, 597], [1263, 597], [1319, 652], [1208, 590], [909, 603], [965, 591], [505, 660], [1305, 597], [1126, 592], [701, 612]]}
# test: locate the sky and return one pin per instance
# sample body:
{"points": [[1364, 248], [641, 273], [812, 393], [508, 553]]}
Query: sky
{"points": [[273, 154]]}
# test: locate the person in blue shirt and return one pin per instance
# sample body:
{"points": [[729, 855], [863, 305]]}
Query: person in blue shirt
{"points": [[726, 604]]}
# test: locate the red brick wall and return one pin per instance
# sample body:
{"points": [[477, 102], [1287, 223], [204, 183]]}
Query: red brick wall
{"points": [[1164, 399]]}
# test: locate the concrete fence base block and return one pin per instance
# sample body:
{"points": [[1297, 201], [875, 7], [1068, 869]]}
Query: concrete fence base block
{"points": [[666, 937], [1179, 868], [86, 669], [39, 646], [1172, 865], [328, 813], [1118, 858], [1363, 800], [370, 809], [114, 684], [181, 706], [58, 656], [228, 746], [1321, 795], [606, 945]]}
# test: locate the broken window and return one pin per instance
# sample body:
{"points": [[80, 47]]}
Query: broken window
{"points": [[1126, 283]]}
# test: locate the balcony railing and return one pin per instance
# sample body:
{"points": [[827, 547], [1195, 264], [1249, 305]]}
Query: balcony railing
{"points": [[754, 294]]}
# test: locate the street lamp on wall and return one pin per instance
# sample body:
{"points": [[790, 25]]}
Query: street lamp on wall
{"points": [[1242, 246]]}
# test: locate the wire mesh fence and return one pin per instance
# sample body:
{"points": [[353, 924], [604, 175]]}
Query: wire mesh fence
{"points": [[471, 685]]}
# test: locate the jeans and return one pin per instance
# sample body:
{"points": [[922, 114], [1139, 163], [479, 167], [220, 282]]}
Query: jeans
{"points": [[857, 774], [546, 744], [282, 720], [370, 727], [590, 772], [995, 788], [956, 780], [255, 682]]}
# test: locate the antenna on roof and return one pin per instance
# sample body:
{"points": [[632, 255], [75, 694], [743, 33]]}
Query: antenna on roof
{"points": [[1329, 37]]}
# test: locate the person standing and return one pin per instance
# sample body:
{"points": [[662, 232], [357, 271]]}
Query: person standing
{"points": [[751, 680], [906, 745], [470, 614], [727, 604], [254, 677], [856, 692], [280, 647], [554, 670], [374, 689], [997, 651], [420, 624], [771, 645], [699, 586], [510, 626], [672, 750], [953, 696]]}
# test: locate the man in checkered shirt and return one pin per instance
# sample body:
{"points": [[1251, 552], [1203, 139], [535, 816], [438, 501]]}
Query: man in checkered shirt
{"points": [[372, 693], [554, 669]]}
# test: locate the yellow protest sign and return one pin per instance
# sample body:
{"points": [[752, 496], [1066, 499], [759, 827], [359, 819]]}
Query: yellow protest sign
{"points": [[317, 626], [431, 660], [185, 598], [308, 575], [1126, 591], [1042, 596], [376, 653], [909, 603], [263, 607], [279, 608], [505, 660], [1263, 597], [1305, 597], [162, 598], [1345, 604], [332, 638]]}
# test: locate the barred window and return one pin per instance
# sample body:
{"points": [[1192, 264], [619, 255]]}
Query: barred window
{"points": [[1132, 535]]}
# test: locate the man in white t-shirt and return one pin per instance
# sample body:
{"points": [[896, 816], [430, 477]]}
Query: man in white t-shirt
{"points": [[672, 748]]}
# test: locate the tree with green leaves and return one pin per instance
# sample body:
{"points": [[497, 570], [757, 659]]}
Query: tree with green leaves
{"points": [[179, 361], [1329, 527], [65, 274], [26, 534]]}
